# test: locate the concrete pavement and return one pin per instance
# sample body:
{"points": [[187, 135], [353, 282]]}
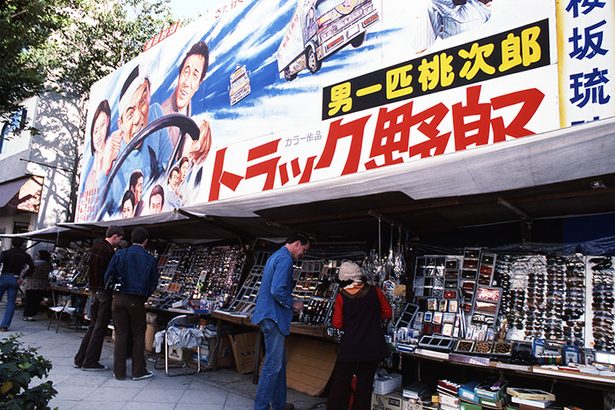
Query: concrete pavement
{"points": [[78, 389]]}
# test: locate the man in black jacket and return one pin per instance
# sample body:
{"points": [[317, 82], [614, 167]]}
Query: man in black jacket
{"points": [[88, 355], [14, 261]]}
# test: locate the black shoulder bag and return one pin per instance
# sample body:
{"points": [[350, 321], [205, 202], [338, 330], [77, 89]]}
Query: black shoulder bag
{"points": [[114, 283]]}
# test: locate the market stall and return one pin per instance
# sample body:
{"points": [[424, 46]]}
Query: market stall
{"points": [[424, 155]]}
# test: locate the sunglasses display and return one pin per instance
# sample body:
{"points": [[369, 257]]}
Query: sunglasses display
{"points": [[560, 299], [73, 267], [197, 277], [602, 303], [544, 296]]}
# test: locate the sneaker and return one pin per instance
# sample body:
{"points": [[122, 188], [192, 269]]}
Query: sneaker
{"points": [[76, 366], [96, 367], [28, 319], [4, 329], [145, 376]]}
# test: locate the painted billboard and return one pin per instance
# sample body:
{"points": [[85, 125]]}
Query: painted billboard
{"points": [[274, 93]]}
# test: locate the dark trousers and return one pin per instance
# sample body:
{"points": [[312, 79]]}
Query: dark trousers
{"points": [[341, 385], [91, 345], [129, 322], [33, 301]]}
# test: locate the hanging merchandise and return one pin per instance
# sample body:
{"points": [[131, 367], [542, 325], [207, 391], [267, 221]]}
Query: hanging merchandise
{"points": [[601, 310]]}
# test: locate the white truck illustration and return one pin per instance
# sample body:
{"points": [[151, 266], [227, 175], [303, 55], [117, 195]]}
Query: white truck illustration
{"points": [[318, 29], [239, 84]]}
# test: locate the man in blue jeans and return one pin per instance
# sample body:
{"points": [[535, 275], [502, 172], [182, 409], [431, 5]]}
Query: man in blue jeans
{"points": [[14, 263], [273, 314]]}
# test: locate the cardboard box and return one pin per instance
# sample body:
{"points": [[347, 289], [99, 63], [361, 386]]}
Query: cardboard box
{"points": [[466, 392], [470, 406], [244, 351], [411, 405], [492, 404], [487, 391], [384, 385], [179, 354], [391, 401], [449, 400], [150, 331], [225, 354]]}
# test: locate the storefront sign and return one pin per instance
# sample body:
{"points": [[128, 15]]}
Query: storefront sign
{"points": [[587, 60]]}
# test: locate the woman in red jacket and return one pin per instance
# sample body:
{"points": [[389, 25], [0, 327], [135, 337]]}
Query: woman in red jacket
{"points": [[360, 309]]}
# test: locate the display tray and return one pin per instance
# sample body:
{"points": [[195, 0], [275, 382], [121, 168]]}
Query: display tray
{"points": [[502, 348], [437, 343]]}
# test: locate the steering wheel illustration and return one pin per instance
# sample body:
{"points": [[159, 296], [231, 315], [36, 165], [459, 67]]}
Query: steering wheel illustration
{"points": [[185, 124]]}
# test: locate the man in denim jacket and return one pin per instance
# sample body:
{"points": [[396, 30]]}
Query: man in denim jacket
{"points": [[273, 314], [136, 272]]}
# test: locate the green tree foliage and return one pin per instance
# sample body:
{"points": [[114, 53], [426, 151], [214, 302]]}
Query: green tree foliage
{"points": [[67, 45], [18, 366], [25, 26], [102, 35]]}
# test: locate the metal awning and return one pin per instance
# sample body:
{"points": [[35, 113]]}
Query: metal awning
{"points": [[8, 190]]}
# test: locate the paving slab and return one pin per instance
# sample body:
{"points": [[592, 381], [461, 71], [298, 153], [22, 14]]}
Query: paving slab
{"points": [[223, 389]]}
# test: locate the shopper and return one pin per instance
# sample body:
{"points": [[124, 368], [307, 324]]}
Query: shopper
{"points": [[135, 272], [15, 263], [88, 355], [37, 284], [273, 314], [360, 310]]}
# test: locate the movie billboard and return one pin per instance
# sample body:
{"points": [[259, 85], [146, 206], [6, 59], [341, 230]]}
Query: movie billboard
{"points": [[270, 94]]}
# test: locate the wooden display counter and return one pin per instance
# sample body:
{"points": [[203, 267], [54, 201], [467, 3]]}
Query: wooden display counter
{"points": [[310, 360]]}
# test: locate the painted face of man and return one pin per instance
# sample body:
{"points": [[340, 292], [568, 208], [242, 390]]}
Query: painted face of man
{"points": [[155, 204], [184, 170], [99, 132], [174, 179], [134, 117], [127, 209], [138, 189], [189, 80]]}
